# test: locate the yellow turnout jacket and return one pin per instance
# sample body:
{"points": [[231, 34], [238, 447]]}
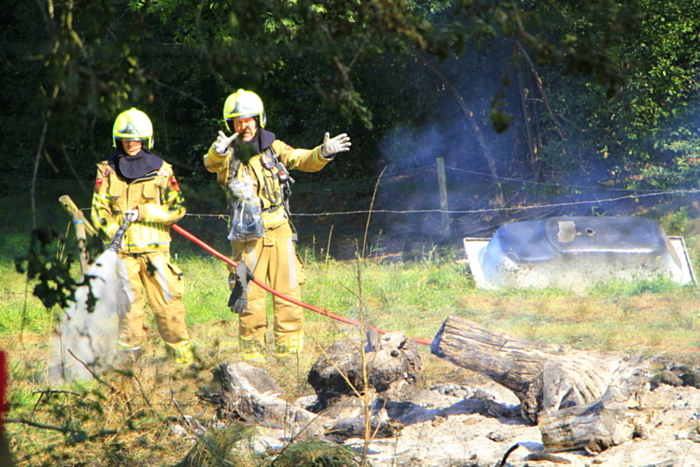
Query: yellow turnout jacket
{"points": [[158, 197], [266, 181]]}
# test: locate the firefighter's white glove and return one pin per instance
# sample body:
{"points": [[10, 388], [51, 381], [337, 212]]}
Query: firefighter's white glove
{"points": [[223, 142], [132, 214], [332, 146]]}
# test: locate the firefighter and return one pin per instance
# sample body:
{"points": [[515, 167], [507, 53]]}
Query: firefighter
{"points": [[252, 166], [135, 182]]}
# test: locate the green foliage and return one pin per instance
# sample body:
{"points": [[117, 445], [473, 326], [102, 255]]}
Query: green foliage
{"points": [[44, 263], [336, 65], [676, 223], [645, 130], [315, 453]]}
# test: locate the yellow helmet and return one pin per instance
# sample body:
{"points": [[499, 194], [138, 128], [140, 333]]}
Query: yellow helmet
{"points": [[244, 104], [133, 125]]}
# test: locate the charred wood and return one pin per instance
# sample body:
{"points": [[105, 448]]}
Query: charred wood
{"points": [[544, 377], [392, 362]]}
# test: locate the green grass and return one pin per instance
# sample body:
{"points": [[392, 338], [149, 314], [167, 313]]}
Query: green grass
{"points": [[20, 310], [415, 297], [128, 422]]}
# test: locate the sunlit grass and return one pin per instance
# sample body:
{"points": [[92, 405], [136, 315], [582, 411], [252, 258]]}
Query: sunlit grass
{"points": [[130, 424]]}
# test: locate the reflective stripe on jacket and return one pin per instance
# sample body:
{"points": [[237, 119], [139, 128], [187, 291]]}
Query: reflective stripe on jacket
{"points": [[158, 197]]}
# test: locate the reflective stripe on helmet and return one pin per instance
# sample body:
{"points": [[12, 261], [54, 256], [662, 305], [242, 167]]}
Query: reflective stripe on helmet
{"points": [[133, 125], [243, 104]]}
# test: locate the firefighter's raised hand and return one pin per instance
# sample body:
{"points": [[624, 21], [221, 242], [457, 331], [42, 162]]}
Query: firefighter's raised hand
{"points": [[223, 142], [332, 146]]}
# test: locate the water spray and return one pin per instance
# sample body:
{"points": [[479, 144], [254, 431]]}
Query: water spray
{"points": [[84, 341]]}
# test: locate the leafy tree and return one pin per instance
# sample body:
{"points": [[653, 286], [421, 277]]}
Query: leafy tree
{"points": [[646, 129], [98, 58]]}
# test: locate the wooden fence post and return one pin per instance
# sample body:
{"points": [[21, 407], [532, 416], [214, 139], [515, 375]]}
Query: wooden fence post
{"points": [[443, 198]]}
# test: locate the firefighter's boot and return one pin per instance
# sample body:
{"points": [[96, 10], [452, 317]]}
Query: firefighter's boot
{"points": [[181, 354], [252, 350], [292, 344], [127, 355]]}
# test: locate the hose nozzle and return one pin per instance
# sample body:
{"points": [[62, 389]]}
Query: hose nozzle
{"points": [[116, 243]]}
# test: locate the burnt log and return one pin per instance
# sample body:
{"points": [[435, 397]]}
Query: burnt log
{"points": [[350, 382], [354, 427], [626, 410], [389, 367], [581, 400], [243, 392], [544, 377]]}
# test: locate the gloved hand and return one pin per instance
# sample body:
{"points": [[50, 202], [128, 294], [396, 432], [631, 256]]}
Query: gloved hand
{"points": [[223, 142], [238, 301], [331, 146], [132, 213]]}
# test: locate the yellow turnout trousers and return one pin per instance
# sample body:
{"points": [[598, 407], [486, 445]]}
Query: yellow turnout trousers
{"points": [[273, 260], [163, 285]]}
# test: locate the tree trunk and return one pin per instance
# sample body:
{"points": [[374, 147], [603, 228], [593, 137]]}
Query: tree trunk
{"points": [[544, 377]]}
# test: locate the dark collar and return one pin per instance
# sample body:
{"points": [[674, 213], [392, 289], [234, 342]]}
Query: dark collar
{"points": [[135, 167]]}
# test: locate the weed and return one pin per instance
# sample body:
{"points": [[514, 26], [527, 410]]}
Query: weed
{"points": [[231, 445], [315, 453], [676, 223]]}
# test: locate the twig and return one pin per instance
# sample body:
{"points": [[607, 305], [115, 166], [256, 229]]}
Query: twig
{"points": [[58, 391], [365, 396], [326, 260], [100, 380], [371, 205], [37, 159], [60, 429], [87, 367], [24, 421], [345, 377], [328, 246], [177, 406], [143, 393], [540, 86]]}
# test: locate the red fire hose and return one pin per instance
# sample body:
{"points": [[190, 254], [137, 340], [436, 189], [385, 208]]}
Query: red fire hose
{"points": [[225, 258]]}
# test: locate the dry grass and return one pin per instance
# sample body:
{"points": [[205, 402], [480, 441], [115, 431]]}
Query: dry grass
{"points": [[128, 419]]}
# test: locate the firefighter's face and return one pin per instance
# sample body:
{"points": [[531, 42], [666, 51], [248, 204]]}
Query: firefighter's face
{"points": [[132, 147], [246, 127]]}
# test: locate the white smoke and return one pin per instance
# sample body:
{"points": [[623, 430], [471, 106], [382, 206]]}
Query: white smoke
{"points": [[90, 336]]}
